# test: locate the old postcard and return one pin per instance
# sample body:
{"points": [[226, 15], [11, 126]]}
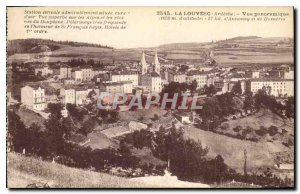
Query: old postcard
{"points": [[150, 97]]}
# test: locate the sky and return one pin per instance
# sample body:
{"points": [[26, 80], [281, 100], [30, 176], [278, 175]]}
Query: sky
{"points": [[144, 29]]}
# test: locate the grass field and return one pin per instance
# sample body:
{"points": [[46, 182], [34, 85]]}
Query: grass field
{"points": [[262, 118], [259, 154], [26, 170]]}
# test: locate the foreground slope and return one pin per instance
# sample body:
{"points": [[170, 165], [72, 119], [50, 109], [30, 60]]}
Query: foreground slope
{"points": [[22, 171]]}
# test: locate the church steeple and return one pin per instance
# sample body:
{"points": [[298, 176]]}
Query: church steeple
{"points": [[144, 64], [156, 64]]}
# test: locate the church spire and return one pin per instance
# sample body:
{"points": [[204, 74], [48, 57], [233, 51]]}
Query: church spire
{"points": [[156, 64], [144, 64]]}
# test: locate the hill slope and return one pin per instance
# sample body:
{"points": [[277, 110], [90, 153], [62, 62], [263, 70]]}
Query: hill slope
{"points": [[22, 171]]}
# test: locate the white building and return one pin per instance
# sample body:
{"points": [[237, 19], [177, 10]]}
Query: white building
{"points": [[125, 76], [152, 82], [44, 71], [179, 77], [200, 77], [33, 97], [77, 75], [289, 74], [117, 87], [68, 95], [276, 87], [65, 72], [81, 96], [87, 74]]}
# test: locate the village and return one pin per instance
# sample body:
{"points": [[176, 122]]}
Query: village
{"points": [[77, 85]]}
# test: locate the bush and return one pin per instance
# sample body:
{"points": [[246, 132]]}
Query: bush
{"points": [[237, 128], [262, 131], [273, 130]]}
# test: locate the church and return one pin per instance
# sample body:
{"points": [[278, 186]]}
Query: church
{"points": [[150, 78]]}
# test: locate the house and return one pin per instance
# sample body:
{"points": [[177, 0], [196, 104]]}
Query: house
{"points": [[43, 71], [65, 71], [276, 87], [151, 82], [117, 87], [33, 97], [199, 76], [68, 95], [125, 75], [69, 81], [77, 74], [176, 76], [81, 96], [87, 74], [289, 74], [184, 117]]}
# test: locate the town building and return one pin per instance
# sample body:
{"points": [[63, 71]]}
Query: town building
{"points": [[81, 96], [120, 76], [33, 97], [69, 81], [177, 76], [77, 74], [289, 74], [67, 95], [87, 74], [151, 82], [125, 87], [43, 71], [276, 87], [65, 71], [199, 76]]}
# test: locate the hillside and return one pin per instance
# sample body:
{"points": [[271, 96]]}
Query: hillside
{"points": [[238, 50], [259, 154], [26, 170], [43, 45]]}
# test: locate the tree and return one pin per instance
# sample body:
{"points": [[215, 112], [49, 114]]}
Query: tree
{"points": [[290, 107], [16, 132], [88, 126], [55, 110], [220, 168], [124, 148], [54, 134], [237, 88], [74, 111], [210, 90], [193, 86], [249, 102], [114, 115]]}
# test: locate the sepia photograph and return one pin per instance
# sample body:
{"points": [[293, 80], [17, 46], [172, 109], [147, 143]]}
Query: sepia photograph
{"points": [[150, 97]]}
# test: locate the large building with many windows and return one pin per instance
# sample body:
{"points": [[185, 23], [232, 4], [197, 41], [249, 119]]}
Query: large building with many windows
{"points": [[199, 76], [175, 76], [33, 97], [65, 71], [125, 76], [117, 87], [276, 87]]}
